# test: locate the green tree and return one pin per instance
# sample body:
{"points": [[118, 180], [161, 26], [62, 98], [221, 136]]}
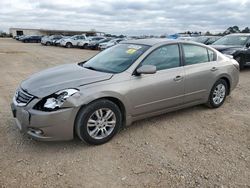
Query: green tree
{"points": [[246, 30]]}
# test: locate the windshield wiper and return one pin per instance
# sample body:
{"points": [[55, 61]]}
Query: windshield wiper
{"points": [[99, 70], [91, 68]]}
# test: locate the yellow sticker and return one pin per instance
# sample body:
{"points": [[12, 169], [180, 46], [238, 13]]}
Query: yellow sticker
{"points": [[131, 51]]}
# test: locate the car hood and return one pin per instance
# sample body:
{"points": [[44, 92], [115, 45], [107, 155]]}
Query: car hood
{"points": [[49, 81], [222, 48]]}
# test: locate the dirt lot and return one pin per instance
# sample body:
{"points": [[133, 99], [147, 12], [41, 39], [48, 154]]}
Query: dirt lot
{"points": [[195, 147]]}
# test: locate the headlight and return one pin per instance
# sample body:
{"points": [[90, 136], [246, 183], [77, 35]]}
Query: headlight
{"points": [[56, 100]]}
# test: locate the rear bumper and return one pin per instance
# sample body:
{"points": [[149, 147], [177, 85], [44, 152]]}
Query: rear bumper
{"points": [[45, 126]]}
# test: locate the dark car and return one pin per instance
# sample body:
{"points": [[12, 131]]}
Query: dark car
{"points": [[206, 39], [94, 44], [19, 37], [236, 45], [32, 38]]}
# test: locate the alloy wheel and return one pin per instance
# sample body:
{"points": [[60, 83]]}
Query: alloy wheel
{"points": [[219, 94], [101, 123]]}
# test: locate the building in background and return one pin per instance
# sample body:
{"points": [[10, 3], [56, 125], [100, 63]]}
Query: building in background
{"points": [[42, 32]]}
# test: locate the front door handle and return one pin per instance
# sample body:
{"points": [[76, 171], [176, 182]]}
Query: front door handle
{"points": [[214, 69], [178, 78]]}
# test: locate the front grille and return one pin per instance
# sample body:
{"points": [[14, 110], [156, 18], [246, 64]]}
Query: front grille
{"points": [[23, 98]]}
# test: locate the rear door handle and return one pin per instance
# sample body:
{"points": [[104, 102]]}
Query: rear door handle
{"points": [[178, 78], [214, 69]]}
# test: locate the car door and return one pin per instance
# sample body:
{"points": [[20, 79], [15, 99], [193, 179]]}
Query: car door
{"points": [[201, 70], [75, 40], [165, 88], [80, 39]]}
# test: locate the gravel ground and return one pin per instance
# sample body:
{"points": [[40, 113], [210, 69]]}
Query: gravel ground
{"points": [[194, 147]]}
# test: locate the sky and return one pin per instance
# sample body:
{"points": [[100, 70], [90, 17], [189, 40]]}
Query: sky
{"points": [[141, 17]]}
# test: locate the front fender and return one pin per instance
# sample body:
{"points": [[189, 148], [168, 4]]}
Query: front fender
{"points": [[84, 99]]}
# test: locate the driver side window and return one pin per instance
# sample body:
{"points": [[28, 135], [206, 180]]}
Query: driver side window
{"points": [[165, 57]]}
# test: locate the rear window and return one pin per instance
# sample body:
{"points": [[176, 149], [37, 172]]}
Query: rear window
{"points": [[195, 54]]}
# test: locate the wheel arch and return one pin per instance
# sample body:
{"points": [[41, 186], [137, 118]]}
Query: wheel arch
{"points": [[68, 42], [115, 100], [228, 81]]}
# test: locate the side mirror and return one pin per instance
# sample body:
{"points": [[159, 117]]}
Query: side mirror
{"points": [[248, 45], [146, 69]]}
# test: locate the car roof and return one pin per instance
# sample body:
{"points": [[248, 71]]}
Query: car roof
{"points": [[155, 41], [149, 42], [240, 34]]}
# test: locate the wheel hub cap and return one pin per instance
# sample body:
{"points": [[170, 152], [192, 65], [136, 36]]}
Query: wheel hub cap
{"points": [[219, 94], [101, 123]]}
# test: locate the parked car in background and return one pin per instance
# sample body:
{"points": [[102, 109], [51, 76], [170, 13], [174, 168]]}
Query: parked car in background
{"points": [[206, 39], [236, 45], [31, 38], [110, 43], [20, 37], [58, 42], [85, 43], [93, 44], [48, 40], [74, 41], [130, 81]]}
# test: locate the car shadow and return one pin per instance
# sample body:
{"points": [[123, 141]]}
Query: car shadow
{"points": [[169, 115]]}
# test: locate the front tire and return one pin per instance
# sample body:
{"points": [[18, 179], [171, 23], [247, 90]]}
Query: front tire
{"points": [[69, 45], [218, 94], [98, 122], [240, 61], [85, 46], [48, 44]]}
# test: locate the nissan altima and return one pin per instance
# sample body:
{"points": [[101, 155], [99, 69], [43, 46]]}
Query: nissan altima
{"points": [[132, 80]]}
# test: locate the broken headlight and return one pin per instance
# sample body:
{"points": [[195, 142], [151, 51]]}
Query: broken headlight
{"points": [[56, 100]]}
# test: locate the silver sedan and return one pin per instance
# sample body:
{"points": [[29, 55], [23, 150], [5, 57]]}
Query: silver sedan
{"points": [[130, 81]]}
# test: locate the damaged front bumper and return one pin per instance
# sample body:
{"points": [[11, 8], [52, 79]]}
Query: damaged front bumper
{"points": [[45, 126]]}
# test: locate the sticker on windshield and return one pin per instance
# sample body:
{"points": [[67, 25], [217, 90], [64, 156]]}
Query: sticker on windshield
{"points": [[131, 51], [133, 48]]}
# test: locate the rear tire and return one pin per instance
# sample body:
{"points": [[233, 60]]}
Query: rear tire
{"points": [[85, 46], [47, 44], [98, 122], [218, 94]]}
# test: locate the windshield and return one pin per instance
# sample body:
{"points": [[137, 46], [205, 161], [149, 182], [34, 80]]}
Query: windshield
{"points": [[235, 40], [200, 39], [116, 59], [73, 37]]}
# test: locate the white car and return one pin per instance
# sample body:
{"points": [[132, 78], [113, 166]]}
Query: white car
{"points": [[113, 42], [74, 41], [58, 42], [92, 41], [48, 40]]}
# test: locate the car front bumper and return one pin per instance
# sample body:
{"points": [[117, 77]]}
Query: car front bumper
{"points": [[45, 126]]}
